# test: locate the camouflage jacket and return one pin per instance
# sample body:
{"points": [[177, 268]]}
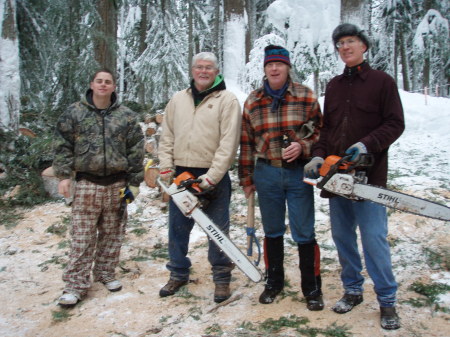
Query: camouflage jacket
{"points": [[99, 142]]}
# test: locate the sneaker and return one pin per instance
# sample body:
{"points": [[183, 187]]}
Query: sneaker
{"points": [[314, 303], [268, 295], [389, 318], [222, 292], [346, 303], [172, 287], [68, 300], [113, 285]]}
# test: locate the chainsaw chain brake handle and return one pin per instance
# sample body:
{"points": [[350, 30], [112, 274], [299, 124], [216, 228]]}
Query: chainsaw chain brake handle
{"points": [[334, 164]]}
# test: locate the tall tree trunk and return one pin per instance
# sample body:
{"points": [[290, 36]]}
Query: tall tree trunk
{"points": [[9, 67], [354, 11], [106, 39], [234, 59], [190, 34], [218, 32], [316, 82], [405, 62], [395, 54], [426, 64], [250, 7], [142, 46], [73, 53]]}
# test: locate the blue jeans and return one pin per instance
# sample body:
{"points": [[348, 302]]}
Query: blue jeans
{"points": [[275, 187], [180, 228], [371, 219]]}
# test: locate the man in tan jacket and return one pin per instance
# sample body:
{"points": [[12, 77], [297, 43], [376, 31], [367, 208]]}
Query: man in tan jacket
{"points": [[201, 132]]}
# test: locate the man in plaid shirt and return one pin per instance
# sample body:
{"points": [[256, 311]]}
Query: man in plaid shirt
{"points": [[282, 111]]}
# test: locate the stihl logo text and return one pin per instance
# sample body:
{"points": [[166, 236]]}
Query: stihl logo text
{"points": [[215, 233], [387, 198]]}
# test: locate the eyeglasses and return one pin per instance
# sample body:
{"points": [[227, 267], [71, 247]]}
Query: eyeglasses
{"points": [[201, 68], [349, 42]]}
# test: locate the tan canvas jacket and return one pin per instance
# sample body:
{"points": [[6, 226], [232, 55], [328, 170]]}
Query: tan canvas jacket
{"points": [[206, 136]]}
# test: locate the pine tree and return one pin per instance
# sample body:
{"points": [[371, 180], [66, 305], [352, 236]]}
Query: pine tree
{"points": [[432, 51], [163, 64], [57, 56]]}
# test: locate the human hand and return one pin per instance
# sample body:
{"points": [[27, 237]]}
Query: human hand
{"points": [[64, 188], [248, 190], [166, 175], [311, 169], [292, 152], [207, 183], [355, 151]]}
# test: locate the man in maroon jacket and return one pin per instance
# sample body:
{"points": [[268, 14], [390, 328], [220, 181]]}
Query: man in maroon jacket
{"points": [[362, 114]]}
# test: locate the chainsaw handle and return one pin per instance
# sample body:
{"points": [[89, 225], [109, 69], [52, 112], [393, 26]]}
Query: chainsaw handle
{"points": [[331, 170], [188, 183]]}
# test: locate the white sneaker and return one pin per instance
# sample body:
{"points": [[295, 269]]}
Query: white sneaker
{"points": [[113, 285], [68, 300]]}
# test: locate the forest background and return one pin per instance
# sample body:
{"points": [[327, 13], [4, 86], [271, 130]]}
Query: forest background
{"points": [[49, 48]]}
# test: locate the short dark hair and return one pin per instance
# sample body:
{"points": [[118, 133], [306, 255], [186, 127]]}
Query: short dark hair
{"points": [[104, 70], [348, 29]]}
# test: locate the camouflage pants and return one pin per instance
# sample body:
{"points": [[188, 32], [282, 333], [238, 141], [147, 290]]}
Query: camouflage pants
{"points": [[96, 235]]}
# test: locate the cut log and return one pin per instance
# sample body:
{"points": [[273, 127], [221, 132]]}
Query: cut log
{"points": [[150, 131], [150, 176], [149, 147]]}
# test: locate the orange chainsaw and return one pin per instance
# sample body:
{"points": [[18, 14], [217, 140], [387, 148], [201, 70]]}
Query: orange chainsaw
{"points": [[188, 197], [348, 179]]}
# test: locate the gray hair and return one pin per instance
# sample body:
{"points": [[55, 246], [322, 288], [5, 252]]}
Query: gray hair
{"points": [[205, 56]]}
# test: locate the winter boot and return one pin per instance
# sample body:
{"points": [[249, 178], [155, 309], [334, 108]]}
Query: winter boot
{"points": [[311, 282], [273, 257], [347, 303], [222, 292], [172, 287], [389, 318]]}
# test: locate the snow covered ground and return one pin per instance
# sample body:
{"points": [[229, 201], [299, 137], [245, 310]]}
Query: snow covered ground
{"points": [[31, 262]]}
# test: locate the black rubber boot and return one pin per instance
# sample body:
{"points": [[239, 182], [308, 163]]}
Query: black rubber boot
{"points": [[311, 282], [273, 257]]}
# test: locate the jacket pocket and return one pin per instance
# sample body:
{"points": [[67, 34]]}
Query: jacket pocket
{"points": [[367, 107], [263, 143], [81, 149]]}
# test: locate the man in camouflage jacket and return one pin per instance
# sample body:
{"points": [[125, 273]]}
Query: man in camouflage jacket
{"points": [[100, 144]]}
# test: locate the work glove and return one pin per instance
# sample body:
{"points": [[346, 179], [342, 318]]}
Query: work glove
{"points": [[356, 150], [207, 182], [127, 195], [134, 190], [311, 169], [166, 175]]}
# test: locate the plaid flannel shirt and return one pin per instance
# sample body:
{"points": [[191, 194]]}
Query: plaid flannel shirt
{"points": [[299, 116]]}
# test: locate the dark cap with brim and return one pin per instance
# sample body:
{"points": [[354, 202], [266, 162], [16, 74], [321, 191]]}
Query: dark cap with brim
{"points": [[348, 29]]}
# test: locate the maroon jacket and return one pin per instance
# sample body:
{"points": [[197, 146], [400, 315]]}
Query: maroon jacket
{"points": [[364, 107]]}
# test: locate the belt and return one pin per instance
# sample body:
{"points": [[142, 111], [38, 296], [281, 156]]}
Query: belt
{"points": [[101, 180], [281, 163]]}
